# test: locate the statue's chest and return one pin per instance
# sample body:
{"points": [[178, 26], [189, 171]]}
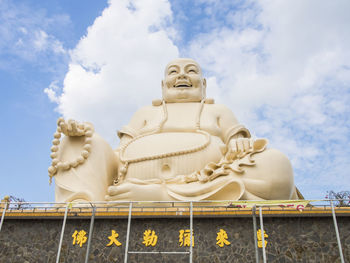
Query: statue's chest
{"points": [[182, 116], [187, 117]]}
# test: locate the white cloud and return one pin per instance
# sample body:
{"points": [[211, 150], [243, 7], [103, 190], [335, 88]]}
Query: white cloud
{"points": [[282, 66], [52, 92], [40, 40], [285, 73], [28, 37], [118, 66]]}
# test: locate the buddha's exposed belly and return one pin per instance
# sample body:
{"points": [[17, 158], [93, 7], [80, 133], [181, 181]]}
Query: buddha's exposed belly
{"points": [[165, 155]]}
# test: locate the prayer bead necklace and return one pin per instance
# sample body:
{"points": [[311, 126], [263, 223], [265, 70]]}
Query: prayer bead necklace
{"points": [[57, 164], [123, 170]]}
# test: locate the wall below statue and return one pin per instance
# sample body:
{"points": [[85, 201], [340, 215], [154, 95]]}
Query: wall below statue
{"points": [[290, 239]]}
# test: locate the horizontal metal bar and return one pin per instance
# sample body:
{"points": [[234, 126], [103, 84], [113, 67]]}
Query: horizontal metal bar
{"points": [[34, 206], [158, 252], [176, 202]]}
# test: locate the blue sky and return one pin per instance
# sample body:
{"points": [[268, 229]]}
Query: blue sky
{"points": [[281, 66]]}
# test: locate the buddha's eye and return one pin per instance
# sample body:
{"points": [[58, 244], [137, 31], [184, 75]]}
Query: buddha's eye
{"points": [[192, 70], [172, 72]]}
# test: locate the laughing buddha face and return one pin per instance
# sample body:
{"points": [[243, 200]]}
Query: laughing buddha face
{"points": [[183, 81]]}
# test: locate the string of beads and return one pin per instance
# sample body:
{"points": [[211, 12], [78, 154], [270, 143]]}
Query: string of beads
{"points": [[123, 170], [57, 164]]}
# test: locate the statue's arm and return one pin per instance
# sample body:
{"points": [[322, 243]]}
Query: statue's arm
{"points": [[83, 164], [71, 129], [236, 136], [230, 127], [137, 122]]}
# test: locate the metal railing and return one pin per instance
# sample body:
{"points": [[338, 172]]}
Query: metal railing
{"points": [[48, 208], [177, 208]]}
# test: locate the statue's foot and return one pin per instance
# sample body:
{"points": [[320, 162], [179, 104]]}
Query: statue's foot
{"points": [[128, 191]]}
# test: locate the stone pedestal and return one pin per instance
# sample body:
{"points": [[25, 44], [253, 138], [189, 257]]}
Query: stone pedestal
{"points": [[292, 237]]}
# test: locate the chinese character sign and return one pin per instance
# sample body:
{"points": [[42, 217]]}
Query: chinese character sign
{"points": [[113, 239], [149, 238], [79, 237], [222, 238], [260, 238], [185, 238]]}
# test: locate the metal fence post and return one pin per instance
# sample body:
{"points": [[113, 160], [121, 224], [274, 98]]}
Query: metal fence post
{"points": [[127, 235], [337, 233], [62, 234], [191, 230], [90, 234], [3, 215], [262, 234], [255, 236]]}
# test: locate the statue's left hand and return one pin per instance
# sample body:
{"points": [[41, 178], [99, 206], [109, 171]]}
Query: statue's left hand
{"points": [[241, 145], [136, 192]]}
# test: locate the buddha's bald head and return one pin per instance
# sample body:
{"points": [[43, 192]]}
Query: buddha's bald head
{"points": [[183, 81]]}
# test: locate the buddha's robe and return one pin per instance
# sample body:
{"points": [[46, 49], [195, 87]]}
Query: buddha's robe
{"points": [[195, 134], [183, 146]]}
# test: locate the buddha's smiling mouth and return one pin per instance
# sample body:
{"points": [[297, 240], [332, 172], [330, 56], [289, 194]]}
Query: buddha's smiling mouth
{"points": [[182, 85]]}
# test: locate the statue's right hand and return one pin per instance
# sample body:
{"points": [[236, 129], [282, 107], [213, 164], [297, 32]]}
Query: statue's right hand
{"points": [[73, 128], [70, 128]]}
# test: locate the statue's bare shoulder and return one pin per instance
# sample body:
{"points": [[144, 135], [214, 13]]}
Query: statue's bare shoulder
{"points": [[219, 108], [222, 113], [147, 111]]}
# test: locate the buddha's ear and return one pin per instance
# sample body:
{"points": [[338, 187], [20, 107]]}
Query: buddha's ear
{"points": [[163, 88], [204, 88]]}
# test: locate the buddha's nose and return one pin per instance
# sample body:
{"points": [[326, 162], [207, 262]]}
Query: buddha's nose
{"points": [[182, 75]]}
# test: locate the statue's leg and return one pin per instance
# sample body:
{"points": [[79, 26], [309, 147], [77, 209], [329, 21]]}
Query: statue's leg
{"points": [[88, 181], [270, 179], [228, 187]]}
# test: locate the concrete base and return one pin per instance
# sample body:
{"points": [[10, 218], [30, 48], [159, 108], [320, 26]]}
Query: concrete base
{"points": [[291, 238]]}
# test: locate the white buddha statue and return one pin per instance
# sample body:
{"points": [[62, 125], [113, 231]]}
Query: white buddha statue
{"points": [[183, 147]]}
